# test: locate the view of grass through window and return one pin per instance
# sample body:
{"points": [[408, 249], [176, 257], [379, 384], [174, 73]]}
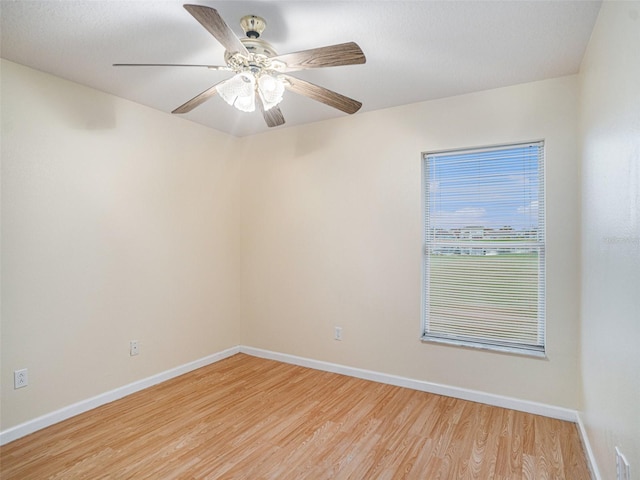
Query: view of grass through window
{"points": [[484, 247]]}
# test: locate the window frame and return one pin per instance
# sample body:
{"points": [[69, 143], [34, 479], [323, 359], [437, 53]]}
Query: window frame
{"points": [[540, 244]]}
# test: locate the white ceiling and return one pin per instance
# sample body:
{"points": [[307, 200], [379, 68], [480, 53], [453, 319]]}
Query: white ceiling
{"points": [[416, 50]]}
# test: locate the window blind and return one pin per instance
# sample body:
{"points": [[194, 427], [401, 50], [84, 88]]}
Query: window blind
{"points": [[484, 257]]}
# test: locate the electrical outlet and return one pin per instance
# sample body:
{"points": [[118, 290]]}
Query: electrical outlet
{"points": [[337, 333], [134, 348], [20, 378], [623, 469]]}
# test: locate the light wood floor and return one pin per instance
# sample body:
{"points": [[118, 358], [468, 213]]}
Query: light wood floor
{"points": [[249, 418]]}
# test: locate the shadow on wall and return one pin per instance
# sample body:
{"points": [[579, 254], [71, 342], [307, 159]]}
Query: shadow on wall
{"points": [[81, 108], [88, 110]]}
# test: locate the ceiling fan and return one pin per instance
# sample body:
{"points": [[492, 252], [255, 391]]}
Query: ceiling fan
{"points": [[261, 75]]}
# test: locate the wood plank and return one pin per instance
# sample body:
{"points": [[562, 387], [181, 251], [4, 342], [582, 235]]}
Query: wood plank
{"points": [[331, 56], [321, 94], [246, 417], [211, 20]]}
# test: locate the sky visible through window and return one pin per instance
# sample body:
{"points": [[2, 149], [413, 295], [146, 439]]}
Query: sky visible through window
{"points": [[484, 248], [489, 189]]}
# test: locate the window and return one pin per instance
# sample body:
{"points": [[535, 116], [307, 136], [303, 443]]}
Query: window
{"points": [[484, 256]]}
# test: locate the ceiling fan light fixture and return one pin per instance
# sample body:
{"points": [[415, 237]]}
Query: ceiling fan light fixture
{"points": [[271, 89], [238, 91]]}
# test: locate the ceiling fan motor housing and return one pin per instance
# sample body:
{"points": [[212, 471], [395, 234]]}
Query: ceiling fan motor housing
{"points": [[259, 50], [258, 60], [258, 46]]}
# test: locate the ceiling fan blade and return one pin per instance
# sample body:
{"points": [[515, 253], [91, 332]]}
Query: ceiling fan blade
{"points": [[273, 116], [332, 56], [198, 99], [321, 94], [210, 19], [210, 67]]}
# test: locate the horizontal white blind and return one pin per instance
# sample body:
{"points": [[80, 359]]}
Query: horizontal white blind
{"points": [[484, 252]]}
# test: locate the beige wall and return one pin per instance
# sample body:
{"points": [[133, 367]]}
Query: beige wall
{"points": [[610, 121], [118, 223], [332, 229]]}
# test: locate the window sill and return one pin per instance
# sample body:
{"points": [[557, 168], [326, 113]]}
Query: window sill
{"points": [[527, 352]]}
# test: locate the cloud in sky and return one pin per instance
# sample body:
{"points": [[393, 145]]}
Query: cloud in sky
{"points": [[492, 189], [460, 218], [529, 210]]}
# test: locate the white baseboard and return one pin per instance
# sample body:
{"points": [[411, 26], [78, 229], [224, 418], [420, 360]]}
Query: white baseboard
{"points": [[423, 386], [591, 458], [39, 423]]}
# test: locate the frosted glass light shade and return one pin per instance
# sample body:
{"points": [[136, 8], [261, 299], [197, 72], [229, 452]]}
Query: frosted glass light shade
{"points": [[239, 91], [271, 89]]}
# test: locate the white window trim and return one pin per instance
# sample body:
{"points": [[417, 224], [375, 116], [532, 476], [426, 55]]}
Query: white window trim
{"points": [[526, 350]]}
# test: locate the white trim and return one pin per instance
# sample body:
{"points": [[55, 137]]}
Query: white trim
{"points": [[64, 413], [591, 458], [462, 393]]}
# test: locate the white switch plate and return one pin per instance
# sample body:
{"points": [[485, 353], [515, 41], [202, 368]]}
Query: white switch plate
{"points": [[337, 333], [134, 348]]}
